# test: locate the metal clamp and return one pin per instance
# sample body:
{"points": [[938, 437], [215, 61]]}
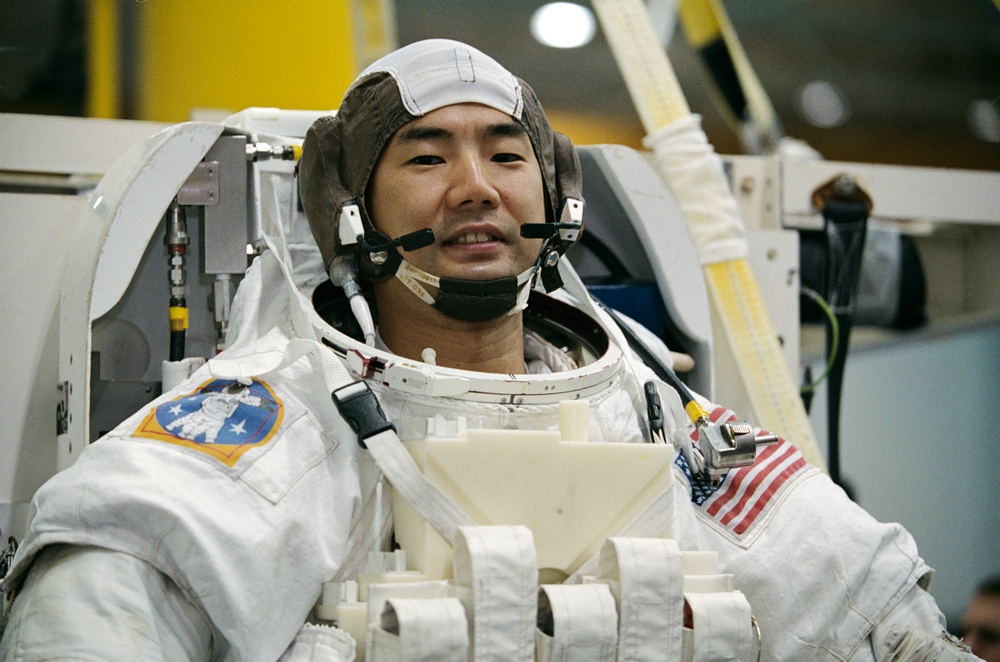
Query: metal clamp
{"points": [[360, 408], [729, 446]]}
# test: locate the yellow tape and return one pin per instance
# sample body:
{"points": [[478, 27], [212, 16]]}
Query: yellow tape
{"points": [[733, 290], [773, 395], [648, 75], [698, 21], [706, 20], [178, 318], [695, 411]]}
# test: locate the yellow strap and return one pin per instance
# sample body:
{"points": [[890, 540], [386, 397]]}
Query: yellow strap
{"points": [[651, 81], [706, 20], [749, 332], [736, 300], [699, 22]]}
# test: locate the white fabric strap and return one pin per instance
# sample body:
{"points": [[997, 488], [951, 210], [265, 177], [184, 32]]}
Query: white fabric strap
{"points": [[379, 594], [496, 565], [405, 477], [585, 624], [320, 642], [415, 630], [392, 458], [723, 626], [647, 577]]}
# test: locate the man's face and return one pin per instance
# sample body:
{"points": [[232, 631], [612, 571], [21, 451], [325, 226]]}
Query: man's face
{"points": [[468, 173], [981, 627]]}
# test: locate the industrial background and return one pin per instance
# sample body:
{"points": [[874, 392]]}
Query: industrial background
{"points": [[912, 83], [919, 81]]}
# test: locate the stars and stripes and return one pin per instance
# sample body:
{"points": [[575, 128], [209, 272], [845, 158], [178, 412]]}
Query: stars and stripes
{"points": [[743, 496]]}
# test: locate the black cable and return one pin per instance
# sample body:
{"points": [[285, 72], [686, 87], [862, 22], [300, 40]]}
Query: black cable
{"points": [[845, 226], [662, 370], [177, 329], [177, 345]]}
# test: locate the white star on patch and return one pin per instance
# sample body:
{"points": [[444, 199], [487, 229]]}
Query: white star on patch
{"points": [[238, 428], [176, 410]]}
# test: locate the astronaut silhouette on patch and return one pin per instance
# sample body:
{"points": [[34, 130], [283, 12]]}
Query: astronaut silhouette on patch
{"points": [[224, 412]]}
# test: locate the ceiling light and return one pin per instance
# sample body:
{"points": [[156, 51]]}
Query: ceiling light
{"points": [[984, 120], [563, 25], [823, 104]]}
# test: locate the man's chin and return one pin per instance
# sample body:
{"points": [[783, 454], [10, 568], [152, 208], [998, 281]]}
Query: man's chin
{"points": [[480, 272]]}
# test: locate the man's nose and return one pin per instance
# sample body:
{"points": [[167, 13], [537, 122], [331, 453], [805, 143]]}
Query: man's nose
{"points": [[471, 184]]}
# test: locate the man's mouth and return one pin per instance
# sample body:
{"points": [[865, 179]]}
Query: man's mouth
{"points": [[473, 238]]}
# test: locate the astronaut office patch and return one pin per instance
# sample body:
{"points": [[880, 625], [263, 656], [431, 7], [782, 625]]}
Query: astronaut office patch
{"points": [[222, 418]]}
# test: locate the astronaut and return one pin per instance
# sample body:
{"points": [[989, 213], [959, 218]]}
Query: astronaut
{"points": [[212, 414], [152, 548]]}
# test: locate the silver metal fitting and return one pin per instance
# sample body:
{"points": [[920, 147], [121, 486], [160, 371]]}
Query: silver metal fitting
{"points": [[728, 446]]}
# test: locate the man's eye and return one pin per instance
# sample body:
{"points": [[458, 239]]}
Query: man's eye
{"points": [[507, 157], [426, 159]]}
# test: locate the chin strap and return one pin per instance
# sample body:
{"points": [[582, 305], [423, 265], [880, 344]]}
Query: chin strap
{"points": [[414, 278], [463, 299]]}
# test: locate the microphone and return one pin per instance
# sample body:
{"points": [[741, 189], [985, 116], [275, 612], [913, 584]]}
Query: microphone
{"points": [[539, 230], [408, 242], [546, 230]]}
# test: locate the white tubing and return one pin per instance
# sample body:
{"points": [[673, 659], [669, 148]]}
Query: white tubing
{"points": [[694, 173]]}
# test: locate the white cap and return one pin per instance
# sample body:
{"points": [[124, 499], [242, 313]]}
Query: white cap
{"points": [[427, 72]]}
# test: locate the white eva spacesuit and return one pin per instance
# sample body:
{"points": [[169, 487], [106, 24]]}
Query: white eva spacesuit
{"points": [[162, 542]]}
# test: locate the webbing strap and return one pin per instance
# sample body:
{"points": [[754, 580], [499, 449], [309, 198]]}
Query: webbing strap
{"points": [[660, 102], [723, 626], [496, 567], [647, 578], [382, 442], [421, 630], [406, 478], [584, 624]]}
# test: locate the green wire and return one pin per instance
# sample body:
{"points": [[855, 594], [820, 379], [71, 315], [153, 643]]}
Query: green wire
{"points": [[835, 331]]}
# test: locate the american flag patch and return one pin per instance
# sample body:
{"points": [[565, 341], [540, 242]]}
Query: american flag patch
{"points": [[741, 499]]}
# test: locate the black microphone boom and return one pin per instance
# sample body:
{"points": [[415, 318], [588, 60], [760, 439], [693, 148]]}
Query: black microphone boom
{"points": [[415, 240], [539, 230], [408, 242]]}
